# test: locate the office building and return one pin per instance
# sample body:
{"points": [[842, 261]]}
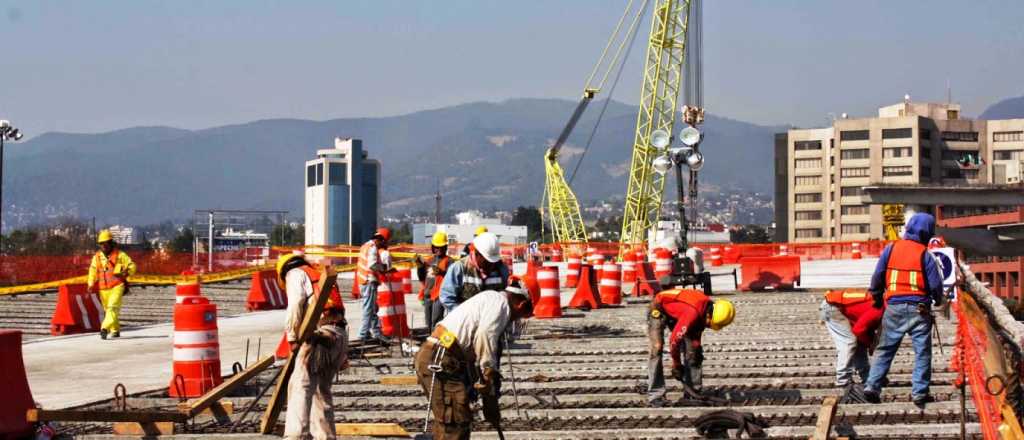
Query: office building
{"points": [[462, 232], [820, 172], [342, 195]]}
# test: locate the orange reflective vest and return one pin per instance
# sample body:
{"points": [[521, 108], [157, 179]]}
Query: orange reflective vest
{"points": [[847, 297], [435, 289], [334, 302], [363, 271], [105, 274], [694, 298], [904, 275]]}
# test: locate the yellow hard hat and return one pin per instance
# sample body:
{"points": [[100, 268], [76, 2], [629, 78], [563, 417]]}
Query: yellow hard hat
{"points": [[722, 314], [281, 261], [104, 236], [439, 239], [480, 230]]}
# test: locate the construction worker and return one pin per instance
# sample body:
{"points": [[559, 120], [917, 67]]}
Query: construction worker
{"points": [[687, 312], [852, 321], [431, 275], [463, 351], [372, 268], [108, 273], [906, 283], [310, 410], [481, 270]]}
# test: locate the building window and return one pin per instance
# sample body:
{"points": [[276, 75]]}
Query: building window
{"points": [[808, 198], [890, 153], [803, 164], [850, 191], [337, 174], [855, 172], [897, 171], [924, 134], [807, 215], [960, 136], [320, 173], [897, 133], [856, 228], [1008, 136], [807, 145], [310, 176], [966, 156], [854, 135], [1009, 155], [926, 172], [860, 153], [952, 114], [970, 174], [808, 180], [855, 210], [808, 233]]}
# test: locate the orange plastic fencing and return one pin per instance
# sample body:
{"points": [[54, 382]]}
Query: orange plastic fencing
{"points": [[736, 251]]}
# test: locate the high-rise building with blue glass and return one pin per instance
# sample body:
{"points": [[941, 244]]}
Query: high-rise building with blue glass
{"points": [[342, 195]]}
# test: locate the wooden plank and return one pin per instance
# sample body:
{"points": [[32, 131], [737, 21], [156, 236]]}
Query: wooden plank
{"points": [[399, 380], [371, 429], [327, 281], [825, 415], [150, 429], [194, 407], [65, 415]]}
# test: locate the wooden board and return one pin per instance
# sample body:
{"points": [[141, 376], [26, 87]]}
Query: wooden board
{"points": [[825, 415], [371, 429], [194, 407], [327, 281], [150, 429], [399, 380], [65, 415]]}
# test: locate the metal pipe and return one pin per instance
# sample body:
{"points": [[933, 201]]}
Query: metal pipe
{"points": [[209, 250]]}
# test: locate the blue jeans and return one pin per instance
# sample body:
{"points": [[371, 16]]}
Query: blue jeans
{"points": [[899, 320], [371, 322], [851, 357]]}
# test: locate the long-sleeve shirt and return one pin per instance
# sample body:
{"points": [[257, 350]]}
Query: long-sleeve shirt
{"points": [[455, 278], [478, 325], [864, 320], [690, 325], [299, 289], [932, 280], [124, 263]]}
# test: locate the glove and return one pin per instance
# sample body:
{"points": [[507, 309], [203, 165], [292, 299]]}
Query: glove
{"points": [[879, 301], [677, 372]]}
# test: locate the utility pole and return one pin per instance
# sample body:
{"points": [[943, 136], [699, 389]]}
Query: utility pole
{"points": [[437, 203], [209, 250], [7, 132]]}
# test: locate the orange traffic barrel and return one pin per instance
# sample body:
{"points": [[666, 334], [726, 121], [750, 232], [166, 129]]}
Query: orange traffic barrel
{"points": [[550, 304], [610, 284], [196, 355], [406, 280], [391, 307], [716, 256], [629, 267], [187, 287], [662, 263], [572, 276], [855, 254]]}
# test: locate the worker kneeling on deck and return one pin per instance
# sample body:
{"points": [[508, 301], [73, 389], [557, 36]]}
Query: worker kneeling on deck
{"points": [[852, 321], [310, 406], [687, 312], [906, 282], [462, 358]]}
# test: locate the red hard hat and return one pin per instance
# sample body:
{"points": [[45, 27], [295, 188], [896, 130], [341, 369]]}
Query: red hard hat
{"points": [[384, 233]]}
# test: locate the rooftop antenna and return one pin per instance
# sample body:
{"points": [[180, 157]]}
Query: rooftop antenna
{"points": [[949, 92]]}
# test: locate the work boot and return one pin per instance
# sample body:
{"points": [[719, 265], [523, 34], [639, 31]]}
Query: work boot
{"points": [[872, 396], [115, 334], [659, 402], [921, 401], [103, 334]]}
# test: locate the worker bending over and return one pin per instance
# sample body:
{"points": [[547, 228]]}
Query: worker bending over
{"points": [[464, 351], [481, 270], [687, 312], [372, 268], [108, 273], [310, 405], [906, 282], [852, 321], [431, 274]]}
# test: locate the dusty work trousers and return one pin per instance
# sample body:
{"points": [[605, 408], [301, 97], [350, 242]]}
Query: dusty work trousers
{"points": [[371, 322], [851, 357], [656, 349], [450, 400], [310, 411], [433, 311], [111, 299]]}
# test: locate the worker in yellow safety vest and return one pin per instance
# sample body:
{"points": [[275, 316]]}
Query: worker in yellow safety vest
{"points": [[109, 274]]}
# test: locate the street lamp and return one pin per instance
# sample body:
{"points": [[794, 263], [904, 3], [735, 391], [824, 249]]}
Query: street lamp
{"points": [[689, 155], [7, 133]]}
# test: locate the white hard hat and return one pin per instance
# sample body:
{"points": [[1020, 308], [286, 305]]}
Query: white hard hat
{"points": [[487, 245]]}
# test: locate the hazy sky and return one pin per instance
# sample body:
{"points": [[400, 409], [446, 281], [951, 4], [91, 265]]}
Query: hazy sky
{"points": [[89, 66]]}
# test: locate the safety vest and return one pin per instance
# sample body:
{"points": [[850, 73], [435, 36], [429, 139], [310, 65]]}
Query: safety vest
{"points": [[363, 272], [106, 270], [334, 301], [435, 289], [846, 297], [694, 298], [904, 275], [472, 284]]}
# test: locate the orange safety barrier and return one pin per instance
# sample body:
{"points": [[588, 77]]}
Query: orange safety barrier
{"points": [[716, 256], [572, 274], [17, 394], [587, 295], [730, 255], [646, 281], [77, 311], [391, 307], [549, 304], [196, 354], [532, 287], [406, 276], [759, 273], [265, 293], [855, 252], [611, 284], [662, 263]]}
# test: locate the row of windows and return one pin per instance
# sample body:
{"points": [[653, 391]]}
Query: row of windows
{"points": [[958, 154], [887, 133], [1008, 136], [807, 145], [802, 164], [855, 210], [808, 180], [808, 198], [890, 153], [897, 133], [807, 215], [960, 136], [808, 233], [1009, 155], [336, 174], [854, 135], [860, 153], [851, 191], [897, 171], [856, 228], [854, 172]]}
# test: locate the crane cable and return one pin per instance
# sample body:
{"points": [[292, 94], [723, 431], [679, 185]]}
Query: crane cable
{"points": [[631, 38]]}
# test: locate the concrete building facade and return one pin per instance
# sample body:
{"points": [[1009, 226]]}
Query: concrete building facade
{"points": [[462, 232], [342, 195], [824, 169]]}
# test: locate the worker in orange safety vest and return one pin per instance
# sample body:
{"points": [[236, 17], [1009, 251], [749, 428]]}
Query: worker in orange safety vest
{"points": [[852, 321], [108, 274], [372, 268], [431, 274]]}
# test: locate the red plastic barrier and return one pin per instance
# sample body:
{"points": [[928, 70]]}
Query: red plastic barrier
{"points": [[587, 295], [196, 355], [17, 397], [391, 307], [646, 281], [550, 303], [265, 293], [77, 311], [759, 273]]}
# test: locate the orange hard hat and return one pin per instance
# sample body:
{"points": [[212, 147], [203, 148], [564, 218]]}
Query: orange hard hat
{"points": [[384, 233]]}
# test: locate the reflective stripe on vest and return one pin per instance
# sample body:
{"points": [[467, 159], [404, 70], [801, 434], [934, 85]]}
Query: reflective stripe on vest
{"points": [[105, 270], [843, 297], [904, 274], [363, 272]]}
